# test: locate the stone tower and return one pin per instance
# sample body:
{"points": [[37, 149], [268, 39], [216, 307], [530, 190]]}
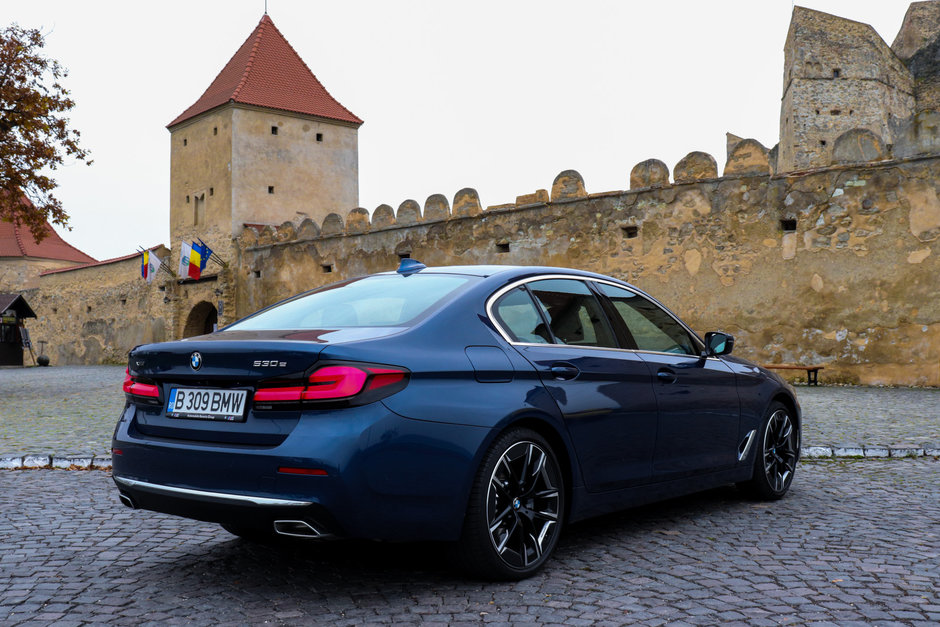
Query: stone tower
{"points": [[266, 143], [918, 46], [838, 75]]}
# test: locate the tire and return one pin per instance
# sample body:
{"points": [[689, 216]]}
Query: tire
{"points": [[516, 509], [250, 534], [777, 455]]}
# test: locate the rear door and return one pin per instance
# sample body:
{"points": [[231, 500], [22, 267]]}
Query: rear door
{"points": [[605, 393], [699, 410]]}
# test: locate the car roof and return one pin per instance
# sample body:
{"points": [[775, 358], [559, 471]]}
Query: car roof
{"points": [[494, 270]]}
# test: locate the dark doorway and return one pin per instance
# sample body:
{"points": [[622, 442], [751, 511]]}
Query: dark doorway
{"points": [[202, 319]]}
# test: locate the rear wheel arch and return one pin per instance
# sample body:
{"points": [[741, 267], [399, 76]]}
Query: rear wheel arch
{"points": [[787, 401], [559, 447]]}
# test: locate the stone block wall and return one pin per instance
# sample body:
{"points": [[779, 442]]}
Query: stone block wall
{"points": [[836, 267]]}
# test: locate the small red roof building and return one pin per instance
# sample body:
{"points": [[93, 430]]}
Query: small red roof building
{"points": [[16, 240], [266, 71]]}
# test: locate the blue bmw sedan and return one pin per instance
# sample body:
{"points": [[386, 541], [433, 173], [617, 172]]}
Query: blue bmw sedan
{"points": [[483, 406]]}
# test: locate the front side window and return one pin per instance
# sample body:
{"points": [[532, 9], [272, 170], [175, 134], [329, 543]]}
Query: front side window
{"points": [[651, 327], [574, 315], [373, 301]]}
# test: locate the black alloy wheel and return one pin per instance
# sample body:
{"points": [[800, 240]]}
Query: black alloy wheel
{"points": [[516, 508], [775, 463]]}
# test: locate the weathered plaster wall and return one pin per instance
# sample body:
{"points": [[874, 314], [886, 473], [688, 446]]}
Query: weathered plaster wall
{"points": [[96, 314], [19, 273], [310, 178], [853, 287]]}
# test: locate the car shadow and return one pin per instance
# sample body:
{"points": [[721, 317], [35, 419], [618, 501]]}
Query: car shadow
{"points": [[343, 566]]}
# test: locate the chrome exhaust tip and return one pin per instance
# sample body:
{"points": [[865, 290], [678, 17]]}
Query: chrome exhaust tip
{"points": [[297, 529], [128, 501]]}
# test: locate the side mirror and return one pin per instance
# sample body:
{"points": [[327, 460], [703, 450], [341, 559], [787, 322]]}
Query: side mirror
{"points": [[717, 343]]}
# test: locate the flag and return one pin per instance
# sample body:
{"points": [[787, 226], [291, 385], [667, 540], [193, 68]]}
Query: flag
{"points": [[206, 255], [145, 264], [185, 252], [196, 264], [153, 265]]}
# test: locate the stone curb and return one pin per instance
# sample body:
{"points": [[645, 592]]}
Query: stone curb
{"points": [[95, 462], [70, 462]]}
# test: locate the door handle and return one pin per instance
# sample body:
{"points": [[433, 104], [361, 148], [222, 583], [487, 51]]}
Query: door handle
{"points": [[564, 372], [666, 375]]}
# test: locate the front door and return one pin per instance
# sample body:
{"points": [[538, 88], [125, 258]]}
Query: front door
{"points": [[699, 410]]}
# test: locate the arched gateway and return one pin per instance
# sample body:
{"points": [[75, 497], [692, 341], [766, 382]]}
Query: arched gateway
{"points": [[202, 319]]}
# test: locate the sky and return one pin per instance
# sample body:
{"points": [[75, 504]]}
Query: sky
{"points": [[500, 96]]}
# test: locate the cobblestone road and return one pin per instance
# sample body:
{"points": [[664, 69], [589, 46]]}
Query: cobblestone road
{"points": [[853, 541], [72, 410]]}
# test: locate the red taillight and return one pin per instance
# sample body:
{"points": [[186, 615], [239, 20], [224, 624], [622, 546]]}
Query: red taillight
{"points": [[139, 389], [279, 394], [334, 383]]}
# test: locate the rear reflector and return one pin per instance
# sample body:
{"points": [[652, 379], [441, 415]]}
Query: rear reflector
{"points": [[139, 389], [317, 472]]}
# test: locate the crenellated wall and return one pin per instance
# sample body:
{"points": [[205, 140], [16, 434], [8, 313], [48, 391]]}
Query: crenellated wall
{"points": [[835, 267]]}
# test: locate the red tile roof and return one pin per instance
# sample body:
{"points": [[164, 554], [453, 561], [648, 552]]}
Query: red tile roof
{"points": [[103, 262], [17, 241], [267, 72]]}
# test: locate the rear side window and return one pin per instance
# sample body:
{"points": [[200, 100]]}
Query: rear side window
{"points": [[573, 313], [373, 301], [651, 327], [517, 314]]}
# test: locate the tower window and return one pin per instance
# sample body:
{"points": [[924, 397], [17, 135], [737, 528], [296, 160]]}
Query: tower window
{"points": [[215, 130], [257, 274], [319, 137], [274, 130], [836, 73], [212, 191], [187, 200], [822, 142], [788, 226], [270, 189], [184, 141], [817, 111], [835, 112], [630, 231], [327, 267]]}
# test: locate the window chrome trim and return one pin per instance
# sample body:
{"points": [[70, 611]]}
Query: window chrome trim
{"points": [[237, 499], [574, 277]]}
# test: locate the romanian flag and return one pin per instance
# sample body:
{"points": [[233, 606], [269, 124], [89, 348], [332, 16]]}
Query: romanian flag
{"points": [[196, 261], [145, 265], [149, 265]]}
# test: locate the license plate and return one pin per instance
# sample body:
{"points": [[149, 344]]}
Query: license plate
{"points": [[204, 404]]}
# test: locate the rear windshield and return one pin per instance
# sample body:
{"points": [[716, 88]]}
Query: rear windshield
{"points": [[373, 301]]}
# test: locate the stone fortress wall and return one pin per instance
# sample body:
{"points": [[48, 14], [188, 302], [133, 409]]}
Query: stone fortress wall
{"points": [[808, 256]]}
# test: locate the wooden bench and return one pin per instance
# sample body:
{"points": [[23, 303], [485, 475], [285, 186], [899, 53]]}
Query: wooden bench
{"points": [[812, 372]]}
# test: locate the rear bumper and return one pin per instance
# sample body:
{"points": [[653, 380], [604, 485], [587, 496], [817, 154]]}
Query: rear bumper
{"points": [[387, 477]]}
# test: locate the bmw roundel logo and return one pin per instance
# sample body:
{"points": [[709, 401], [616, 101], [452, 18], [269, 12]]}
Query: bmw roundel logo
{"points": [[195, 360]]}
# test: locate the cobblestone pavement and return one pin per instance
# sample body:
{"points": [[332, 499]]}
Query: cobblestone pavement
{"points": [[60, 410], [855, 542], [70, 410]]}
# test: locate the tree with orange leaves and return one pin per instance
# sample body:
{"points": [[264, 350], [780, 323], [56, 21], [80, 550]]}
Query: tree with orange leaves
{"points": [[35, 137]]}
